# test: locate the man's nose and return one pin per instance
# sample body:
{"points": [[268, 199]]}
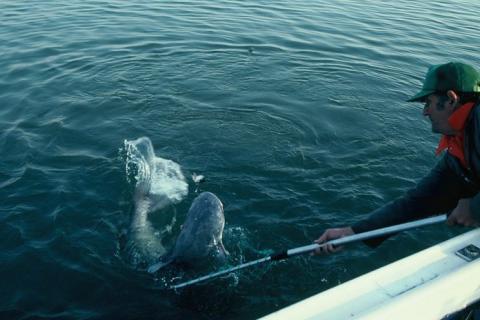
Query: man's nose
{"points": [[426, 110]]}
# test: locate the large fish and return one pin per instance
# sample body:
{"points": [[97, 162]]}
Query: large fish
{"points": [[200, 239]]}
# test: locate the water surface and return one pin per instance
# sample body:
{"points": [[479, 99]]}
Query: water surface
{"points": [[293, 110]]}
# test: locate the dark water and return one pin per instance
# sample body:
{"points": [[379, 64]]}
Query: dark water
{"points": [[293, 110]]}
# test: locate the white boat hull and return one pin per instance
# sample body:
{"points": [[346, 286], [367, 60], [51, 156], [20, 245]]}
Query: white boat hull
{"points": [[427, 285]]}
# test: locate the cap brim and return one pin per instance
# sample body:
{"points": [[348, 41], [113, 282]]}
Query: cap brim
{"points": [[419, 97]]}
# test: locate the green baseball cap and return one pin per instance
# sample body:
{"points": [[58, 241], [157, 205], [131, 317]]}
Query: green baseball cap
{"points": [[456, 76]]}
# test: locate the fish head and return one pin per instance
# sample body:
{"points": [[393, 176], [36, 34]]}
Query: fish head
{"points": [[201, 235]]}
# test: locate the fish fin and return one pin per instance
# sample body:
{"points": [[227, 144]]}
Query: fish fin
{"points": [[159, 265], [222, 251]]}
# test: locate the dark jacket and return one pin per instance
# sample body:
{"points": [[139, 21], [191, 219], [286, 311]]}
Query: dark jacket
{"points": [[439, 191]]}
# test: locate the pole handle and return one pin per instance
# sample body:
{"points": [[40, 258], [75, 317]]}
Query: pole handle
{"points": [[309, 248], [363, 236]]}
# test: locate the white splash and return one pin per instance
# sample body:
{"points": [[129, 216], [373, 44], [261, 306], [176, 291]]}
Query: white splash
{"points": [[198, 178], [161, 179]]}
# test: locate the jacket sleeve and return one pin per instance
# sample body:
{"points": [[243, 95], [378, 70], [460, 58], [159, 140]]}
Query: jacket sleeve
{"points": [[473, 140], [436, 193]]}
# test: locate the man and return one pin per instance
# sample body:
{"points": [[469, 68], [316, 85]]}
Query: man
{"points": [[451, 93]]}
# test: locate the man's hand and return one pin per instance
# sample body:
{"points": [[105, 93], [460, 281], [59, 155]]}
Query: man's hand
{"points": [[461, 215], [331, 234]]}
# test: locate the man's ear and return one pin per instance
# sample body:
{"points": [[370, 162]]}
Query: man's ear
{"points": [[453, 98]]}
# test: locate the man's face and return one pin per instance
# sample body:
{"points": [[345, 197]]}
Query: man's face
{"points": [[438, 110]]}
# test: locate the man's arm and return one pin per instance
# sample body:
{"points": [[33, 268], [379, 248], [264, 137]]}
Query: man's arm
{"points": [[437, 193]]}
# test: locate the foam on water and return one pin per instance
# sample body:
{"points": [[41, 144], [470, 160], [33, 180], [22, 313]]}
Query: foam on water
{"points": [[162, 179]]}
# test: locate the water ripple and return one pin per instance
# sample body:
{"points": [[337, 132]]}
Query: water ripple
{"points": [[292, 110]]}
